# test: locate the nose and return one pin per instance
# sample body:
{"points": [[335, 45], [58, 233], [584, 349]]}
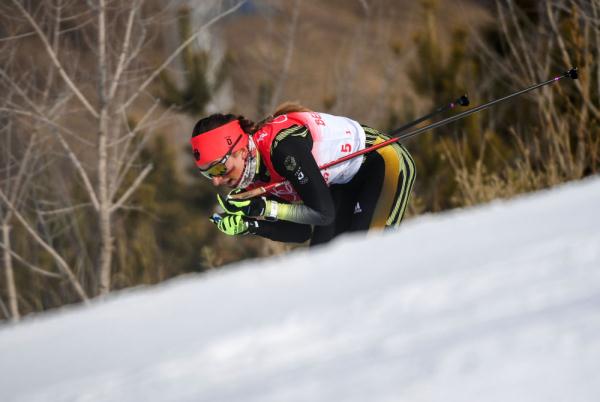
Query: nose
{"points": [[217, 181]]}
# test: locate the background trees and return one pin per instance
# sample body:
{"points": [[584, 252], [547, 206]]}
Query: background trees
{"points": [[90, 73], [97, 189]]}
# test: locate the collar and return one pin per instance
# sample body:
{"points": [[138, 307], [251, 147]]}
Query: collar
{"points": [[251, 166]]}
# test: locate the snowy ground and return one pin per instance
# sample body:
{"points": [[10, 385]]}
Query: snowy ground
{"points": [[495, 303]]}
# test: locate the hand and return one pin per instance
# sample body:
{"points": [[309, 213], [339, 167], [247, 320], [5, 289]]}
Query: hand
{"points": [[250, 207], [234, 225]]}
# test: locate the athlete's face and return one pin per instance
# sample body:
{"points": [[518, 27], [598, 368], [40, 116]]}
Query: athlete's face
{"points": [[235, 168]]}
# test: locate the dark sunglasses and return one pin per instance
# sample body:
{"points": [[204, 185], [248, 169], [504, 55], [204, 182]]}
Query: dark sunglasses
{"points": [[218, 168]]}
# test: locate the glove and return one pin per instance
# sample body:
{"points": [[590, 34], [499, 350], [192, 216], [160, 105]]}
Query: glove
{"points": [[252, 207], [234, 225]]}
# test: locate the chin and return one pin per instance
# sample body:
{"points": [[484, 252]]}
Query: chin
{"points": [[235, 183]]}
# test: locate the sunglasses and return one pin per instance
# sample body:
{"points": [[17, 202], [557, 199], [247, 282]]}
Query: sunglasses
{"points": [[219, 168]]}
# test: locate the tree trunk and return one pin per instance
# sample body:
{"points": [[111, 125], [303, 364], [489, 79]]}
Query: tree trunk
{"points": [[8, 271], [104, 212]]}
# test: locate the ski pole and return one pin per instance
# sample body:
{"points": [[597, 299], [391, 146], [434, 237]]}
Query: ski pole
{"points": [[572, 73], [462, 101]]}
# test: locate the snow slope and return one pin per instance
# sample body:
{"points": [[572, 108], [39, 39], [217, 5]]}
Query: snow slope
{"points": [[494, 303]]}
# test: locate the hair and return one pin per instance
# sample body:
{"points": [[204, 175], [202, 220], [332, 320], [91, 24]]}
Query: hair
{"points": [[289, 107], [215, 120]]}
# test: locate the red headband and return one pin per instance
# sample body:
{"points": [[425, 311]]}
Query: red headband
{"points": [[212, 145]]}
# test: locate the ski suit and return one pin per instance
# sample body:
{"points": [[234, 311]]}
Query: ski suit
{"points": [[367, 192]]}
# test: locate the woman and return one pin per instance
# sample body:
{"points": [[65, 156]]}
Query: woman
{"points": [[363, 193]]}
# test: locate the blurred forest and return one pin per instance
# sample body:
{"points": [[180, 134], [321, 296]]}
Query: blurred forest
{"points": [[98, 190]]}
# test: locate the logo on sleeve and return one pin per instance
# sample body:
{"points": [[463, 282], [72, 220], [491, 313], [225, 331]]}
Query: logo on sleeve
{"points": [[290, 163]]}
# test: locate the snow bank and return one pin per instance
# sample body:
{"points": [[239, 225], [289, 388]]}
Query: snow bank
{"points": [[495, 303]]}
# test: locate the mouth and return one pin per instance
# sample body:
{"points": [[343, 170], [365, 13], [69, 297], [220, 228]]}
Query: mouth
{"points": [[241, 176]]}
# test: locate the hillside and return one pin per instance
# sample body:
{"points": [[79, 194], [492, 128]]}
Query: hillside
{"points": [[495, 303]]}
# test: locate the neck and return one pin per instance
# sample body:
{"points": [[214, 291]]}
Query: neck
{"points": [[251, 166]]}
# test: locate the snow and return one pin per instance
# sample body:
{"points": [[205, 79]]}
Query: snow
{"points": [[499, 302]]}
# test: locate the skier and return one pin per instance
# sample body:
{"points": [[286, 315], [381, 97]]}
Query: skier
{"points": [[367, 192]]}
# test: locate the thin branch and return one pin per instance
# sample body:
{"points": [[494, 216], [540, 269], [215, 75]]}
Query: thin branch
{"points": [[25, 35], [596, 29], [128, 157], [521, 41], [173, 55], [132, 188], [66, 209], [125, 49], [567, 60], [289, 54], [23, 165], [507, 37], [44, 119], [60, 261], [138, 127], [55, 60], [74, 160], [63, 142], [29, 265]]}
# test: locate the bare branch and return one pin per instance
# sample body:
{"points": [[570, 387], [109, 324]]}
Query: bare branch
{"points": [[176, 52], [128, 157], [55, 255], [14, 37], [65, 210], [132, 188], [597, 37], [55, 60], [567, 60], [40, 115], [29, 265], [23, 166], [70, 153], [521, 41], [138, 127], [125, 49], [289, 53], [43, 119]]}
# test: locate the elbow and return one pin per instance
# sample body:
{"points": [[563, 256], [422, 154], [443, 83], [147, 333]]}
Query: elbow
{"points": [[326, 220], [327, 215]]}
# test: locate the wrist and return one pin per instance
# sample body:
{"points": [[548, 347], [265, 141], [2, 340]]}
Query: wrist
{"points": [[271, 209], [252, 226]]}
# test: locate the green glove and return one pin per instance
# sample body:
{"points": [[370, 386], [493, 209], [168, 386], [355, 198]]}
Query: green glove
{"points": [[234, 225], [251, 207]]}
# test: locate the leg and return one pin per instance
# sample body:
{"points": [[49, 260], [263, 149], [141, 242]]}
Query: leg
{"points": [[383, 186]]}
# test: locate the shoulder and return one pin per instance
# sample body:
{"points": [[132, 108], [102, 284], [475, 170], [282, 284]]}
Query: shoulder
{"points": [[290, 145], [269, 130], [289, 135]]}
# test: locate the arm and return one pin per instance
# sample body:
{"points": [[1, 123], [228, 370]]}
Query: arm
{"points": [[287, 232], [292, 158]]}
